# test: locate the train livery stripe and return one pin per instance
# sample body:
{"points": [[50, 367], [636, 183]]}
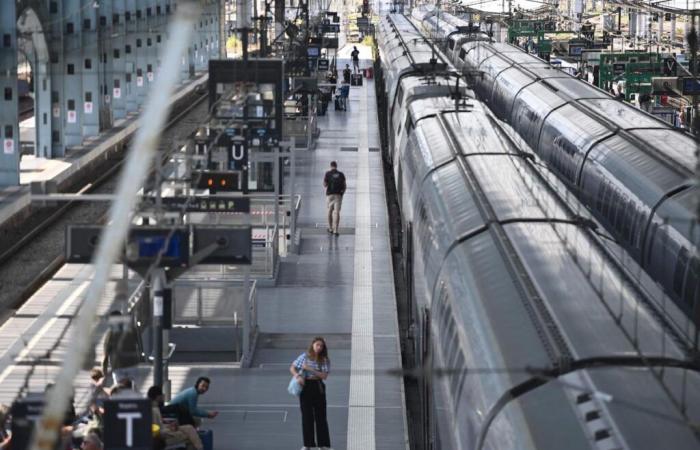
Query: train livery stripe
{"points": [[361, 428]]}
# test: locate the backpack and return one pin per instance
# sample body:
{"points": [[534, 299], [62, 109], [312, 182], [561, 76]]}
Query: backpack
{"points": [[336, 182]]}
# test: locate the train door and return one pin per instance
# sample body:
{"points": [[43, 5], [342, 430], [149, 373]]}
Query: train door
{"points": [[408, 266], [427, 421]]}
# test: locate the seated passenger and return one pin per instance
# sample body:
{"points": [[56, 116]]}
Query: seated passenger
{"points": [[171, 431], [189, 397]]}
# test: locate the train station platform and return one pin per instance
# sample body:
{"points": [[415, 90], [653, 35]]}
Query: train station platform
{"points": [[339, 287], [63, 171]]}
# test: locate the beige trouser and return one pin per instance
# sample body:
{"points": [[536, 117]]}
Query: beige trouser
{"points": [[184, 433], [334, 202]]}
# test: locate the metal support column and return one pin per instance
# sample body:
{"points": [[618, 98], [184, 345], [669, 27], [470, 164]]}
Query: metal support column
{"points": [[673, 29], [71, 74], [9, 131], [116, 80], [105, 67], [141, 58], [89, 68], [31, 34], [157, 286], [129, 90]]}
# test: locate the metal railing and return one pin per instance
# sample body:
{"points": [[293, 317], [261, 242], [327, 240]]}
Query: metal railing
{"points": [[250, 327]]}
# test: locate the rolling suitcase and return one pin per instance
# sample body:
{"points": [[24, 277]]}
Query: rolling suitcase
{"points": [[356, 79], [207, 437]]}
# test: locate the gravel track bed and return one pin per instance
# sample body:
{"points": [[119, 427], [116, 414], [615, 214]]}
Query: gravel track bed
{"points": [[29, 262]]}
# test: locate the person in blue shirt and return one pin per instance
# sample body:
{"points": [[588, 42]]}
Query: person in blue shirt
{"points": [[189, 397]]}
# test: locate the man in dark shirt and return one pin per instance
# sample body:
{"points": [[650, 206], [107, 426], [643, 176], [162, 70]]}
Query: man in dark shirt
{"points": [[355, 55], [334, 182]]}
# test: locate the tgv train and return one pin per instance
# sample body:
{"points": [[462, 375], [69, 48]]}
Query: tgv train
{"points": [[630, 169], [529, 334]]}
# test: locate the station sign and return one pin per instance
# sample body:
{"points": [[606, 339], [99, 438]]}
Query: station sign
{"points": [[144, 245], [233, 244], [323, 65], [206, 204], [330, 28], [25, 413], [691, 86], [618, 68], [128, 424], [363, 24]]}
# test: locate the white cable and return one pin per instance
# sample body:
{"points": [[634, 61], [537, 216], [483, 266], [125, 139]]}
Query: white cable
{"points": [[112, 240]]}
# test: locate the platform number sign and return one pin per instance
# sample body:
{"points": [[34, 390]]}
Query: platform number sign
{"points": [[25, 414], [128, 424]]}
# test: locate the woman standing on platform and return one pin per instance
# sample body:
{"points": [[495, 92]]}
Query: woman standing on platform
{"points": [[310, 369]]}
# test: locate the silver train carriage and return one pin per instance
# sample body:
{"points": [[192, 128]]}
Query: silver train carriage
{"points": [[411, 68], [632, 170], [532, 337]]}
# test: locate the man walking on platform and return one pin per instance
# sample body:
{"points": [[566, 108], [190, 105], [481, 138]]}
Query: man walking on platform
{"points": [[355, 55], [334, 182]]}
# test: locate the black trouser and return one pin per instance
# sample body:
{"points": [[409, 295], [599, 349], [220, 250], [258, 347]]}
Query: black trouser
{"points": [[313, 412]]}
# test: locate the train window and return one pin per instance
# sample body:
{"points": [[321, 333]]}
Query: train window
{"points": [[55, 136], [159, 10], [138, 43], [117, 84], [8, 93], [462, 54], [88, 63], [8, 132], [601, 195], [70, 69], [71, 105], [87, 24], [127, 49], [88, 97], [116, 53], [53, 7], [69, 28], [679, 272], [691, 284], [149, 12], [7, 40], [115, 19], [149, 42], [158, 38], [138, 13], [627, 216]]}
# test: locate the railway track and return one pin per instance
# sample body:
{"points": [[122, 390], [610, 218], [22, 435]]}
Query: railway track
{"points": [[39, 252]]}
